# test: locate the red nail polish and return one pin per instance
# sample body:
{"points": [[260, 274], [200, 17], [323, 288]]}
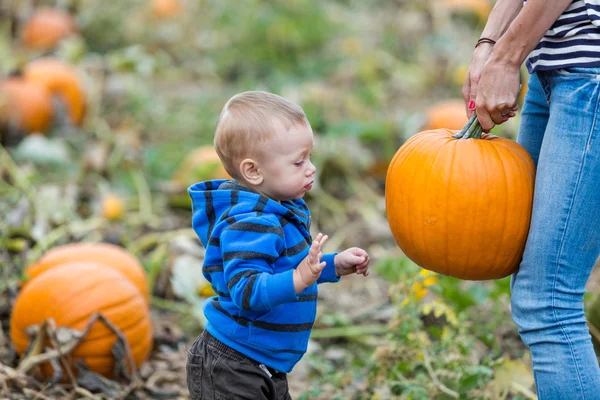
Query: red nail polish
{"points": [[471, 105]]}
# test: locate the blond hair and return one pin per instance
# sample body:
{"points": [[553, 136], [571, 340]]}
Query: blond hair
{"points": [[246, 120]]}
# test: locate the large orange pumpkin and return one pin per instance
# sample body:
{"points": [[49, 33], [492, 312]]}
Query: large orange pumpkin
{"points": [[61, 80], [70, 294], [461, 207], [46, 28], [112, 256], [448, 114], [29, 105]]}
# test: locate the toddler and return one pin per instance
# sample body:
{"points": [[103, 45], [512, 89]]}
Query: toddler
{"points": [[260, 258]]}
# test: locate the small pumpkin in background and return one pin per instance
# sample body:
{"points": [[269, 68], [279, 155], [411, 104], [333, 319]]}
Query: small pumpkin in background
{"points": [[201, 164], [46, 28], [71, 294], [460, 203], [62, 81], [447, 114], [28, 105], [480, 8], [112, 207], [165, 9], [109, 255]]}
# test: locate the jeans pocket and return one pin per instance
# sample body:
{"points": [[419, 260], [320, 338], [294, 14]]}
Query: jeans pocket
{"points": [[194, 379]]}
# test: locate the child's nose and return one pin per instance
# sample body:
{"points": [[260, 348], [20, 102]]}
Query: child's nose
{"points": [[311, 169]]}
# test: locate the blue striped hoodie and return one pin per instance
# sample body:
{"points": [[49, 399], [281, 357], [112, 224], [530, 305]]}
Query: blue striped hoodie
{"points": [[253, 244]]}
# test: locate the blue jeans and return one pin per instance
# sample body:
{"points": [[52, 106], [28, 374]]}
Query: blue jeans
{"points": [[560, 128]]}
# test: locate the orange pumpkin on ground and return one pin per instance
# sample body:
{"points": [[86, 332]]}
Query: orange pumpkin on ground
{"points": [[112, 256], [46, 28], [447, 114], [70, 294], [461, 207], [28, 105], [61, 80]]}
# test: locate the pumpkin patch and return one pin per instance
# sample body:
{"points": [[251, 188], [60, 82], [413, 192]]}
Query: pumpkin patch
{"points": [[108, 112]]}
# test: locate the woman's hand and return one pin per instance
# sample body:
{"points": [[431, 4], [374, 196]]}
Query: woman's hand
{"points": [[493, 78], [497, 92]]}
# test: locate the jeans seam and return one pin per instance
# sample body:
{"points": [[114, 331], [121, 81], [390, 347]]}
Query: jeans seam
{"points": [[589, 141], [562, 242]]}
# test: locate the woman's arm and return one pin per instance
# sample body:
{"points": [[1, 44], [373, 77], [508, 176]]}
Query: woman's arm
{"points": [[499, 83], [500, 18], [527, 29]]}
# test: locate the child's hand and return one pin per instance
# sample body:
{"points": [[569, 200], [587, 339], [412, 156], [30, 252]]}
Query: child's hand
{"points": [[352, 260], [311, 267]]}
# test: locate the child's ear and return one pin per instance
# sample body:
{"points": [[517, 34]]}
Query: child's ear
{"points": [[250, 172]]}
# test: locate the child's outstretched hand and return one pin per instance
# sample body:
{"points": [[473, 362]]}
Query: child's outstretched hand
{"points": [[311, 267], [352, 260]]}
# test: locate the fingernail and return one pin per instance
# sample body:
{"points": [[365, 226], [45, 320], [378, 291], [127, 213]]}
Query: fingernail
{"points": [[471, 105]]}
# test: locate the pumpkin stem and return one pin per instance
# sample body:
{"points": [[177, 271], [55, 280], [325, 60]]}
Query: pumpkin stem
{"points": [[471, 130]]}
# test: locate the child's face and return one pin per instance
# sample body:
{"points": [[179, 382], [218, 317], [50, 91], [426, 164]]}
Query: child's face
{"points": [[285, 163]]}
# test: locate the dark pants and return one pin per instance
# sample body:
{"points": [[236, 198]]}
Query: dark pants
{"points": [[216, 371]]}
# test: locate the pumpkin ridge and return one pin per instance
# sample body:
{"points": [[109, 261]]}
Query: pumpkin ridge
{"points": [[107, 306], [423, 155], [446, 202], [480, 257], [426, 190], [505, 211], [86, 290], [410, 179], [522, 154]]}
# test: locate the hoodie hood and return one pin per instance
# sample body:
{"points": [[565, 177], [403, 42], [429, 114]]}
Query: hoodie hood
{"points": [[216, 200]]}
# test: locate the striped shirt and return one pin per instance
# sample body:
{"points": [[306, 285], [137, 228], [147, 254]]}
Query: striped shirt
{"points": [[573, 40], [253, 244]]}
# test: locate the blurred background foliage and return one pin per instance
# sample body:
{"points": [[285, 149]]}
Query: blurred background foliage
{"points": [[156, 73]]}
